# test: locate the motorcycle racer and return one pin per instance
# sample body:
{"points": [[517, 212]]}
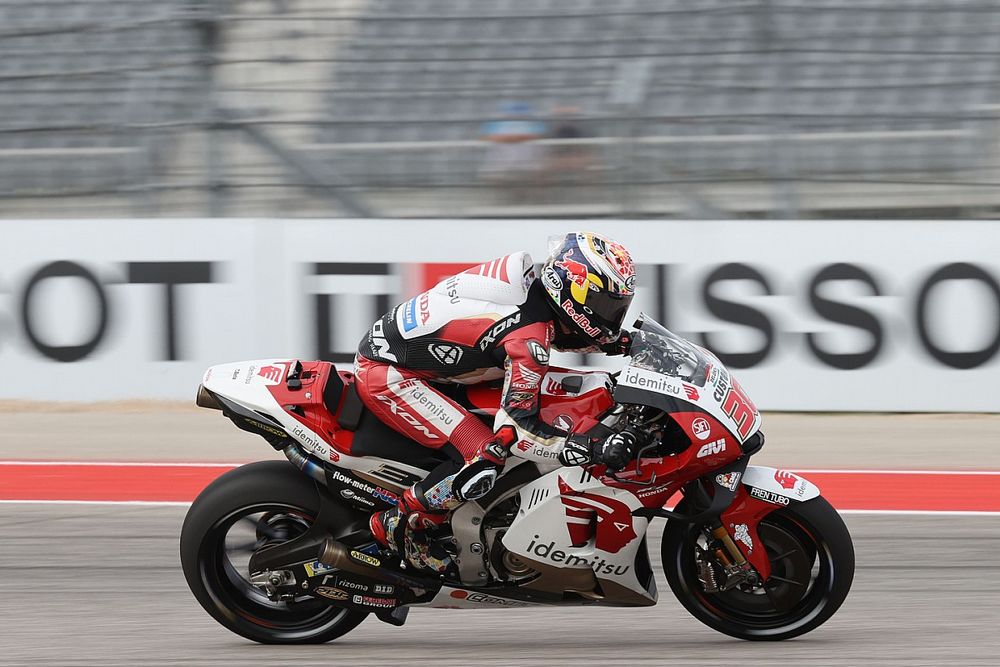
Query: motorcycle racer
{"points": [[496, 320]]}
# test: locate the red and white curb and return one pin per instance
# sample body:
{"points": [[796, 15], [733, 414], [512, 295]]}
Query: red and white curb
{"points": [[951, 492]]}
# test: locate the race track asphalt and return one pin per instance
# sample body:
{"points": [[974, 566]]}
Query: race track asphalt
{"points": [[101, 585]]}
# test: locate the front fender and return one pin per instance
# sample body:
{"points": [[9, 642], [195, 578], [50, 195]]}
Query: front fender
{"points": [[775, 482], [764, 491]]}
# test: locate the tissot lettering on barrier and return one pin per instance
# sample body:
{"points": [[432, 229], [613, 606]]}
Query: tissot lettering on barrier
{"points": [[325, 309], [815, 321], [65, 353], [170, 275]]}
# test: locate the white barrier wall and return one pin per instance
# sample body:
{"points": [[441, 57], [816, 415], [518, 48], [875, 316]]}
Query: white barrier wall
{"points": [[861, 315]]}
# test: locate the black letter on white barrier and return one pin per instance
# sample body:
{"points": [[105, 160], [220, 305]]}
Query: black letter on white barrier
{"points": [[64, 352], [842, 313], [738, 313], [169, 274], [325, 304], [957, 271]]}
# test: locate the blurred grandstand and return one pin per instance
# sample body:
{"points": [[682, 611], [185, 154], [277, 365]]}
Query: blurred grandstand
{"points": [[668, 108]]}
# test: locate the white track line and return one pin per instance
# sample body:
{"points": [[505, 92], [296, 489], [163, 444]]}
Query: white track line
{"points": [[166, 503]]}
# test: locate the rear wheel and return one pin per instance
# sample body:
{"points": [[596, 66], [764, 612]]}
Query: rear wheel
{"points": [[255, 507], [812, 567]]}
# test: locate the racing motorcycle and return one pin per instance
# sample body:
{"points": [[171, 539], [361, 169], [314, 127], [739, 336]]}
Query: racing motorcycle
{"points": [[282, 553]]}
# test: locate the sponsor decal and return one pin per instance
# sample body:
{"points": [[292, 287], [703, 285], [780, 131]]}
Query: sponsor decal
{"points": [[563, 422], [264, 427], [384, 589], [370, 489], [576, 272], [373, 601], [410, 315], [768, 496], [432, 407], [786, 479], [424, 306], [554, 388], [531, 376], [272, 373], [451, 289], [379, 345], [598, 564], [250, 375], [544, 452], [236, 373], [332, 593], [483, 598], [729, 480], [498, 329], [614, 518], [316, 567], [208, 375], [410, 419], [651, 491], [309, 439], [701, 428], [714, 447], [353, 585], [651, 381], [365, 558], [630, 283], [523, 446], [691, 392], [538, 352], [551, 279], [580, 319], [449, 355], [742, 534]]}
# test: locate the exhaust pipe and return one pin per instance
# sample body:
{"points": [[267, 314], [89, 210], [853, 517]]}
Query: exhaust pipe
{"points": [[206, 399], [338, 555]]}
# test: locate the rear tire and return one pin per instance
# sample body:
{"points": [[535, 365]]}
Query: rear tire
{"points": [[809, 547], [290, 501]]}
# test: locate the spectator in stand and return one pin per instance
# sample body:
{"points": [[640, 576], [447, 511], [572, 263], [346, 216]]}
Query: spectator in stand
{"points": [[568, 159], [514, 157]]}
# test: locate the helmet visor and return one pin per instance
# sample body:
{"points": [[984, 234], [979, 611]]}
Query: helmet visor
{"points": [[607, 310]]}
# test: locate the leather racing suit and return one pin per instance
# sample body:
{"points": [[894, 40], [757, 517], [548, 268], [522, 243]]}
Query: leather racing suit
{"points": [[489, 322]]}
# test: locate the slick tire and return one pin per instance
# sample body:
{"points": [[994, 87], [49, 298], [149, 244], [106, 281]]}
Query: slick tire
{"points": [[821, 557], [267, 486]]}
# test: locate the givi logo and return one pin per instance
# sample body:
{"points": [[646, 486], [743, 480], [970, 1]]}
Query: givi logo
{"points": [[614, 518], [713, 447]]}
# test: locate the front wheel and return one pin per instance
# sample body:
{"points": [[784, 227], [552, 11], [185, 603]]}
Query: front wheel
{"points": [[250, 508], [812, 567]]}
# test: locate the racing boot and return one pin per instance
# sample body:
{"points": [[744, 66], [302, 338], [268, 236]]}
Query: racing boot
{"points": [[404, 530]]}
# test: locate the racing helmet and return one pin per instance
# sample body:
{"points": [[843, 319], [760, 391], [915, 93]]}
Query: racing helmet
{"points": [[591, 281]]}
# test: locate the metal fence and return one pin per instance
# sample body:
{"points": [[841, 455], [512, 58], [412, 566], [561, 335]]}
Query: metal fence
{"points": [[667, 108]]}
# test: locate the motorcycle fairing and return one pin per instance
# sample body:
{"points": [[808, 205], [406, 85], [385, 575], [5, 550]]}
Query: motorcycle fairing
{"points": [[253, 385], [570, 522], [675, 375]]}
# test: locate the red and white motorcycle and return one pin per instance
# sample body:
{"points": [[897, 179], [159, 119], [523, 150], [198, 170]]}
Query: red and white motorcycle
{"points": [[282, 553]]}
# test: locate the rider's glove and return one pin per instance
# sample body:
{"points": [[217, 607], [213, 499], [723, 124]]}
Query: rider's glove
{"points": [[577, 451], [616, 451], [618, 346]]}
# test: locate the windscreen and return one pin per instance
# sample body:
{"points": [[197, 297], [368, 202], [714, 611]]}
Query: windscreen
{"points": [[656, 349]]}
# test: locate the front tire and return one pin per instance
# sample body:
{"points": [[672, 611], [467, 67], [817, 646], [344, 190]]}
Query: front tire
{"points": [[811, 554], [279, 503]]}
